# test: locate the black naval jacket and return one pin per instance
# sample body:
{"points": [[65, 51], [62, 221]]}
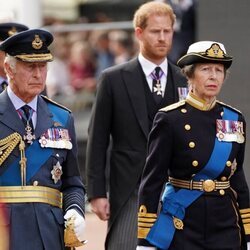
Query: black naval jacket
{"points": [[180, 145]]}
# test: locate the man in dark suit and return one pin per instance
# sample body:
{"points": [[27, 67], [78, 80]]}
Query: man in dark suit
{"points": [[40, 183], [7, 30], [124, 110]]}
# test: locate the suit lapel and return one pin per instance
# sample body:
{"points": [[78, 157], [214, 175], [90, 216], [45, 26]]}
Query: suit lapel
{"points": [[133, 79], [9, 116]]}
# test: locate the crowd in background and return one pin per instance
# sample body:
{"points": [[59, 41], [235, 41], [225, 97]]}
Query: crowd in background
{"points": [[79, 57]]}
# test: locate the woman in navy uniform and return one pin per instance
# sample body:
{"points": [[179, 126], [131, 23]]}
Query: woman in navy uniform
{"points": [[193, 193], [40, 183]]}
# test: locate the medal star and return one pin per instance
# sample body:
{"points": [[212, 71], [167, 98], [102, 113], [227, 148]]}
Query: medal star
{"points": [[56, 172], [157, 89]]}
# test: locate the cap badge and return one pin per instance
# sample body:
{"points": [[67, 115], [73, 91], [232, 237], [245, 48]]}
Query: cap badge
{"points": [[12, 31], [215, 51], [37, 43]]}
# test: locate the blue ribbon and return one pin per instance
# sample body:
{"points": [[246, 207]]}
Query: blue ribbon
{"points": [[35, 154], [175, 203]]}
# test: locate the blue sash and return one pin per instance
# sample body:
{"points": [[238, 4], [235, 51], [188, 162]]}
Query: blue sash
{"points": [[35, 154], [175, 203]]}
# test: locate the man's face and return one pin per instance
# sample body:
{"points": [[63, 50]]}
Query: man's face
{"points": [[156, 39], [28, 79]]}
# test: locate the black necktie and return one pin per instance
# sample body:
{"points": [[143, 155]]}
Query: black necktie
{"points": [[157, 91], [27, 116]]}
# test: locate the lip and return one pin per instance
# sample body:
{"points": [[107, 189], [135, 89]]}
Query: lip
{"points": [[35, 84], [212, 86]]}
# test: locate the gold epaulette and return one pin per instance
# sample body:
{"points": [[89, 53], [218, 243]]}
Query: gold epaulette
{"points": [[56, 103], [245, 216], [173, 106], [145, 222], [228, 106]]}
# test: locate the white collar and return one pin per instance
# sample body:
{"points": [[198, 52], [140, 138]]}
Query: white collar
{"points": [[148, 66], [18, 103]]}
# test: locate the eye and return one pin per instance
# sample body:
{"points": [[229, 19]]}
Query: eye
{"points": [[220, 70], [204, 68]]}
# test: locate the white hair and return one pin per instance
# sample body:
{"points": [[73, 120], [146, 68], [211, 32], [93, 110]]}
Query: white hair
{"points": [[11, 61]]}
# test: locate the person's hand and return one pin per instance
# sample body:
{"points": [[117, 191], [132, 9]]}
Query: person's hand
{"points": [[248, 245], [145, 248], [101, 207], [79, 223]]}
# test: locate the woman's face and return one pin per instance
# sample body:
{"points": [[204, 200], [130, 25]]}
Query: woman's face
{"points": [[207, 80]]}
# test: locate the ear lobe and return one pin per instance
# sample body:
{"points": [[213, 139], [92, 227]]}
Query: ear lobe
{"points": [[138, 32], [9, 71]]}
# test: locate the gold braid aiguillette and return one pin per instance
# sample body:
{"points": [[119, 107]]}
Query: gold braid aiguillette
{"points": [[7, 145]]}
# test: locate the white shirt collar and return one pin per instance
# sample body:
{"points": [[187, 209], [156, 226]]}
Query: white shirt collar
{"points": [[18, 103], [148, 67]]}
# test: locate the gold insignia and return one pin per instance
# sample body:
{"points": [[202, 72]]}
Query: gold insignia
{"points": [[37, 43], [12, 31], [178, 223], [173, 106], [245, 216], [208, 185], [145, 222], [215, 51]]}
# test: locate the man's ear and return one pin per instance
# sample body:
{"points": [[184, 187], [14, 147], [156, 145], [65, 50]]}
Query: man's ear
{"points": [[138, 32], [9, 70]]}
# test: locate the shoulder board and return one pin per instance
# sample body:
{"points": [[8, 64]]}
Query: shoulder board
{"points": [[173, 106], [228, 106], [55, 103]]}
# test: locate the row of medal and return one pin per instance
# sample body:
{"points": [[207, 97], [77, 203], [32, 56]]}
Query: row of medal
{"points": [[230, 131], [56, 138]]}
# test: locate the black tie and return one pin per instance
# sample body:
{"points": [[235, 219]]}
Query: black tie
{"points": [[27, 116], [157, 91]]}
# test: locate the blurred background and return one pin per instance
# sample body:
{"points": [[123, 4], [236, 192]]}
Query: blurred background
{"points": [[91, 35]]}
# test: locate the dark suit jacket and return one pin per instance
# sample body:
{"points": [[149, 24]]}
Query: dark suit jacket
{"points": [[120, 111], [40, 225]]}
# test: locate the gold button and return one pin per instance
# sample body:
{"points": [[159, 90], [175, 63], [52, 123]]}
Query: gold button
{"points": [[35, 183], [183, 111], [222, 192], [187, 127], [223, 178], [229, 163], [195, 163], [191, 144]]}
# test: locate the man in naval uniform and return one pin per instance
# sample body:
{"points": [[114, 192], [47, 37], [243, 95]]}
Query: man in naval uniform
{"points": [[40, 183]]}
